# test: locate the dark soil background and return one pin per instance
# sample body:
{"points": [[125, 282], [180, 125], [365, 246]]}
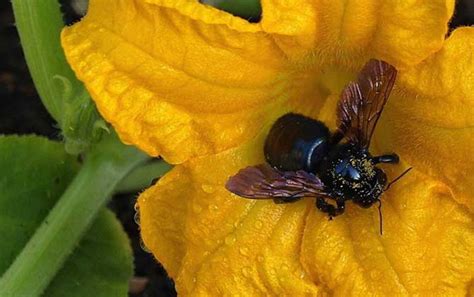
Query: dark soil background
{"points": [[21, 112]]}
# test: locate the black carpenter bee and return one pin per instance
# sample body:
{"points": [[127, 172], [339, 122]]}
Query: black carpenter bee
{"points": [[306, 160]]}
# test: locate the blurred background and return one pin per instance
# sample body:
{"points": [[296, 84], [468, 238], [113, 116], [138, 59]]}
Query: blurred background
{"points": [[21, 112]]}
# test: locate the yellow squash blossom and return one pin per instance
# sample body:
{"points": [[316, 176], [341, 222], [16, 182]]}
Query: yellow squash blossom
{"points": [[201, 88]]}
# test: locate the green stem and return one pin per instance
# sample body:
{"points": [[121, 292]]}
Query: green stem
{"points": [[39, 25], [105, 166], [142, 177]]}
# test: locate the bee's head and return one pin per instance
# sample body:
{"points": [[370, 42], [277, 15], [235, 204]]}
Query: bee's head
{"points": [[351, 173], [372, 190]]}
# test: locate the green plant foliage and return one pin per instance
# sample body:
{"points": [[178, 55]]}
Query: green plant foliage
{"points": [[247, 9], [39, 25], [35, 172], [100, 266]]}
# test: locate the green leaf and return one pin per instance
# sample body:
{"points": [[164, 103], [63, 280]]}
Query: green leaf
{"points": [[100, 266], [35, 173], [247, 9]]}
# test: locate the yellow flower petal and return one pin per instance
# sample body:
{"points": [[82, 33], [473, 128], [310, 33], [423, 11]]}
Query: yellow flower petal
{"points": [[181, 79], [201, 87], [249, 247], [230, 245], [168, 216], [425, 249], [400, 32], [179, 83], [431, 121]]}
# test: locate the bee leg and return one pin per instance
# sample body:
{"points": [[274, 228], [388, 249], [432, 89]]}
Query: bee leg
{"points": [[330, 209], [341, 206], [389, 158]]}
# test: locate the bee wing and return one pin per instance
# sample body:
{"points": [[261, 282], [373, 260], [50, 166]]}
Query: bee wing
{"points": [[362, 102], [265, 182]]}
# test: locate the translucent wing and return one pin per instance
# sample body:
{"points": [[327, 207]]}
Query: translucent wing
{"points": [[362, 102], [265, 182]]}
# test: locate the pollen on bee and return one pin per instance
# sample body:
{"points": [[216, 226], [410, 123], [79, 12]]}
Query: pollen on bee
{"points": [[368, 167]]}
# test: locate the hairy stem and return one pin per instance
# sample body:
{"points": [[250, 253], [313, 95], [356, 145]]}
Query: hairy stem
{"points": [[39, 24], [142, 177]]}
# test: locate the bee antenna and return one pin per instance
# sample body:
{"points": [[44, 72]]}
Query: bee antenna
{"points": [[398, 178], [380, 217]]}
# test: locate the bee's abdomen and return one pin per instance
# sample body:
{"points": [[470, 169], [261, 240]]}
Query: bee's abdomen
{"points": [[296, 142]]}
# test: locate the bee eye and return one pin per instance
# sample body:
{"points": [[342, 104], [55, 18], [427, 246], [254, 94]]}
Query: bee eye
{"points": [[346, 170]]}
